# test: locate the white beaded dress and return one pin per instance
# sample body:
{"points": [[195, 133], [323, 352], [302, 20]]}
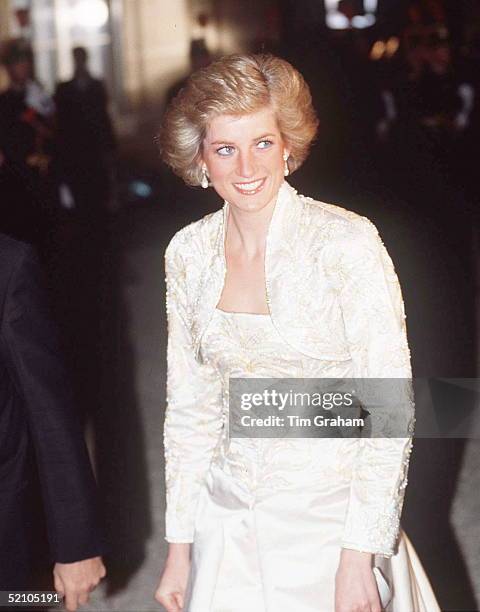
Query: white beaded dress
{"points": [[269, 524]]}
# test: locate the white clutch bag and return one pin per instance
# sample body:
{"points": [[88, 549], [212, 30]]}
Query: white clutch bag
{"points": [[384, 589]]}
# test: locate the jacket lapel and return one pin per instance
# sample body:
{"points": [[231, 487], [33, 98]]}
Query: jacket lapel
{"points": [[212, 280]]}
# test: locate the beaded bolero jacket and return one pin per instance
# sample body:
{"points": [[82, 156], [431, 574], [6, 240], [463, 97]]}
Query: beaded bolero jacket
{"points": [[332, 294]]}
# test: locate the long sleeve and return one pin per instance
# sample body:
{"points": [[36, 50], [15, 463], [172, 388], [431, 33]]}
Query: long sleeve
{"points": [[374, 319], [193, 418], [32, 356]]}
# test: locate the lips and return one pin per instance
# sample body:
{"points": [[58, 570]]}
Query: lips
{"points": [[250, 188]]}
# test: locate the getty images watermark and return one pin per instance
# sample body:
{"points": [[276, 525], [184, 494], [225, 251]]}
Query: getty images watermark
{"points": [[324, 402], [351, 408]]}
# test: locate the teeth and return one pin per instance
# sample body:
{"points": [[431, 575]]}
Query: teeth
{"points": [[249, 186]]}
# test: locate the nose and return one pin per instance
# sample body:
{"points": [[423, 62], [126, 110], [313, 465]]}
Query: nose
{"points": [[246, 165]]}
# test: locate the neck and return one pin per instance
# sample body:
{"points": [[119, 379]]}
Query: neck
{"points": [[247, 231], [81, 73]]}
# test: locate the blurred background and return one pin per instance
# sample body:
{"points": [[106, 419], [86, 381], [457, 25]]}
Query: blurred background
{"points": [[396, 84]]}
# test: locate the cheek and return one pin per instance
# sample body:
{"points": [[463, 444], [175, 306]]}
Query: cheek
{"points": [[276, 162], [219, 168]]}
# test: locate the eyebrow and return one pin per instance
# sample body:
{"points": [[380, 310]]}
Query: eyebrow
{"points": [[226, 143]]}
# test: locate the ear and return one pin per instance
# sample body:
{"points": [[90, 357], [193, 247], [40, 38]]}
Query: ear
{"points": [[201, 163]]}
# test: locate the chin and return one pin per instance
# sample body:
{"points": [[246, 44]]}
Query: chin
{"points": [[250, 202]]}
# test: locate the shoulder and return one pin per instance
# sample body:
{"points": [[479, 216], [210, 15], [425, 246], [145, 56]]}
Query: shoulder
{"points": [[337, 220], [196, 239], [344, 237], [19, 267], [338, 229], [64, 89], [13, 251]]}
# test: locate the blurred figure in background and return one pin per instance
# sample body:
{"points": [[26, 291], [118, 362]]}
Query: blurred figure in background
{"points": [[405, 80], [427, 93], [86, 141], [27, 185], [448, 101], [200, 57], [86, 146], [425, 162]]}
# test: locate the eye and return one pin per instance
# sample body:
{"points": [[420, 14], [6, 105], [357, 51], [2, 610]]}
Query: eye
{"points": [[225, 151], [264, 144]]}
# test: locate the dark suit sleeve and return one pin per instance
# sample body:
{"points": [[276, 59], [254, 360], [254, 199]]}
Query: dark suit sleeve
{"points": [[38, 371]]}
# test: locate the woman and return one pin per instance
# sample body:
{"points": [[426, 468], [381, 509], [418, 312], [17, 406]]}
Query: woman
{"points": [[274, 285]]}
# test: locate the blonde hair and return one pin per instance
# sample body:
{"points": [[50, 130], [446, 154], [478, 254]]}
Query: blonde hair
{"points": [[236, 85]]}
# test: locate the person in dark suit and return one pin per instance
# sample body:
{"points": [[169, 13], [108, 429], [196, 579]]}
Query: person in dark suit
{"points": [[40, 425], [85, 139]]}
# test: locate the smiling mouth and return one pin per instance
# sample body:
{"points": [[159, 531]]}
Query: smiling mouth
{"points": [[250, 188]]}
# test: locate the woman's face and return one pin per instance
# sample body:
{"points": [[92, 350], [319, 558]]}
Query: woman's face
{"points": [[244, 158]]}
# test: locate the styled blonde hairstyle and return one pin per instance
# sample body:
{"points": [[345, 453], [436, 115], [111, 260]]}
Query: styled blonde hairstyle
{"points": [[236, 85]]}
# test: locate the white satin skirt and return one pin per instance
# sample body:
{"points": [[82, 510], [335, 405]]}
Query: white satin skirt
{"points": [[278, 551]]}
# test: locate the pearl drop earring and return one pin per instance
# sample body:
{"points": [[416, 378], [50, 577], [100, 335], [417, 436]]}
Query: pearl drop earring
{"points": [[204, 181], [286, 170]]}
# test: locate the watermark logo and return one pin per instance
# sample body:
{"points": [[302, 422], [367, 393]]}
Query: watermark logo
{"points": [[353, 408]]}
